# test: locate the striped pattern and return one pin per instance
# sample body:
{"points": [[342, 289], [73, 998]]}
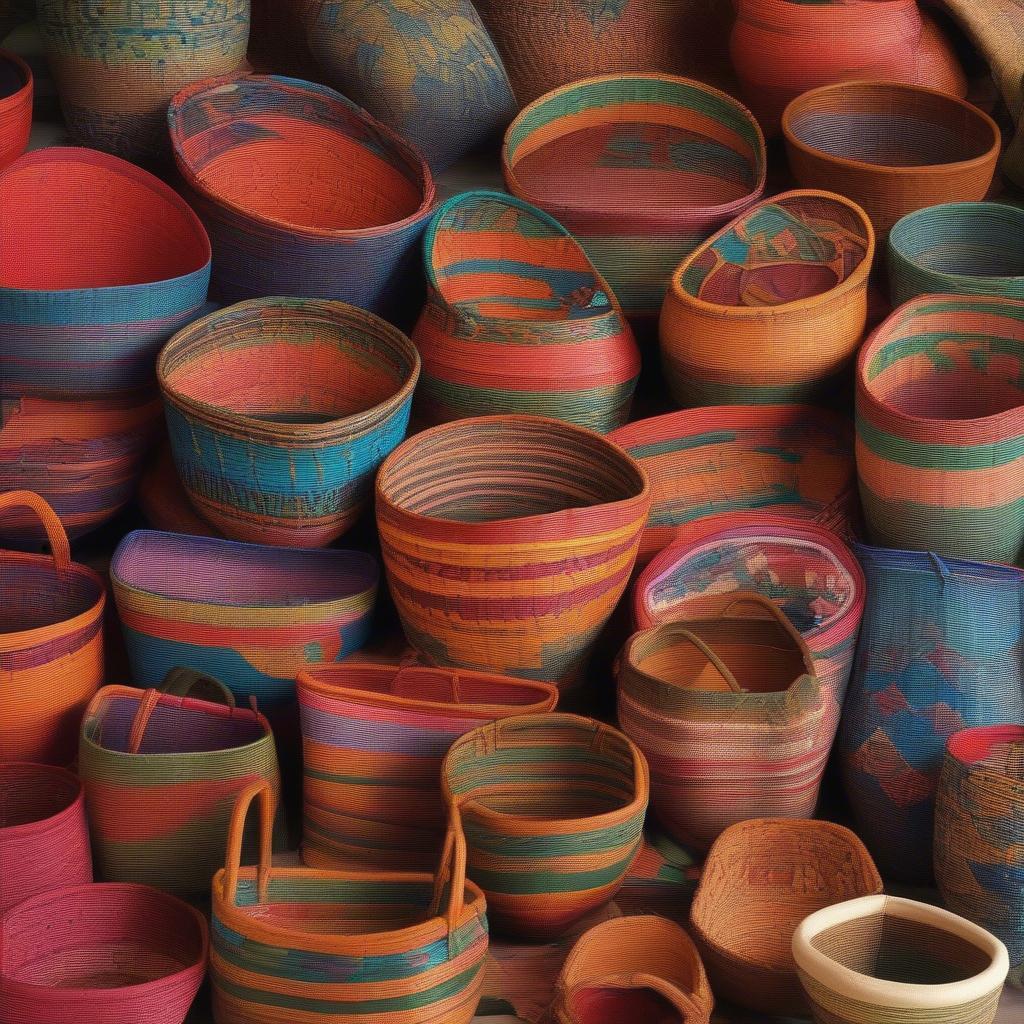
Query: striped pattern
{"points": [[517, 320], [940, 427], [16, 90]]}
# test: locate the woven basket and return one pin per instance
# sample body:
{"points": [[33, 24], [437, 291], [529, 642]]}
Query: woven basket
{"points": [[303, 193], [761, 879], [51, 642], [880, 959], [15, 106], [640, 969], [940, 427], [247, 614], [508, 542], [298, 944], [773, 307], [373, 739], [280, 411], [939, 652], [164, 503], [640, 168], [101, 953], [979, 833], [117, 65], [44, 837], [791, 460], [553, 810], [890, 148], [517, 320]]}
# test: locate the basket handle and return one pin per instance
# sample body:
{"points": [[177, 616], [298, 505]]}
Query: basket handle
{"points": [[140, 723], [451, 869], [236, 832], [749, 602], [715, 660], [57, 536], [182, 681]]}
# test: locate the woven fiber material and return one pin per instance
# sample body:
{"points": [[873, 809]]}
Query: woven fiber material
{"points": [[302, 192], [553, 809], [101, 953], [165, 504], [44, 837], [979, 833], [294, 944], [791, 460], [729, 716], [642, 968], [773, 307], [280, 411], [761, 879], [161, 775], [508, 542], [247, 614], [16, 90], [880, 959], [518, 321], [117, 65], [940, 428], [373, 739], [939, 652], [640, 168], [426, 68], [890, 148], [51, 642]]}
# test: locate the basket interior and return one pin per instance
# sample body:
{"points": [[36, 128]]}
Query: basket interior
{"points": [[970, 240], [31, 793], [611, 1004], [12, 77], [36, 595], [996, 749]]}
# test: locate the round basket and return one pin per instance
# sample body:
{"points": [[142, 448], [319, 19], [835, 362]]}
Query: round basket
{"points": [[773, 307], [15, 106]]}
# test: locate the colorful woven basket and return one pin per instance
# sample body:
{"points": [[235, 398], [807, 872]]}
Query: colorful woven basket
{"points": [[773, 307], [117, 65], [553, 810], [303, 193], [939, 652], [16, 91], [244, 613], [760, 880], [101, 953], [44, 837], [280, 411], [508, 542], [979, 833], [51, 642], [940, 427], [294, 944], [890, 148], [791, 460], [373, 739], [640, 168], [164, 503], [518, 320], [881, 958]]}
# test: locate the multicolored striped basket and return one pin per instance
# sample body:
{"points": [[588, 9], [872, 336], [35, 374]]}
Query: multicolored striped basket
{"points": [[940, 427], [161, 775], [508, 541], [51, 642], [373, 738], [294, 944], [247, 614], [882, 958], [773, 307], [518, 320], [890, 148], [640, 168], [760, 880], [117, 65], [280, 410], [939, 652], [791, 460], [101, 953], [979, 833], [553, 810], [16, 90], [44, 837], [303, 193]]}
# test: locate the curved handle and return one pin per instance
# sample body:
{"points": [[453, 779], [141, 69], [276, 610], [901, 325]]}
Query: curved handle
{"points": [[181, 681], [55, 532], [751, 601], [451, 869], [236, 832], [713, 658], [140, 722]]}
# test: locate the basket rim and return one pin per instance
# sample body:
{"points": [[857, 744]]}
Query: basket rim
{"points": [[74, 807], [969, 747], [19, 96]]}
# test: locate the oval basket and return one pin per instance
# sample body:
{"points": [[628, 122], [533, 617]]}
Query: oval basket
{"points": [[518, 321], [773, 307], [640, 168], [16, 90], [280, 411], [940, 427]]}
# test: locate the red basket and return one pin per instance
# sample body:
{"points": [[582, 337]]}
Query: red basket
{"points": [[15, 106]]}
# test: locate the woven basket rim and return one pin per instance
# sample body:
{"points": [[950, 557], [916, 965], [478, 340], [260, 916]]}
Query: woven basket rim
{"points": [[989, 736], [74, 807], [19, 96], [940, 565]]}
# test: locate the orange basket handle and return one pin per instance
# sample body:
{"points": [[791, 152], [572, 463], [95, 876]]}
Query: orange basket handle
{"points": [[749, 602], [182, 681], [236, 832], [140, 723], [55, 532], [720, 666], [451, 869]]}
